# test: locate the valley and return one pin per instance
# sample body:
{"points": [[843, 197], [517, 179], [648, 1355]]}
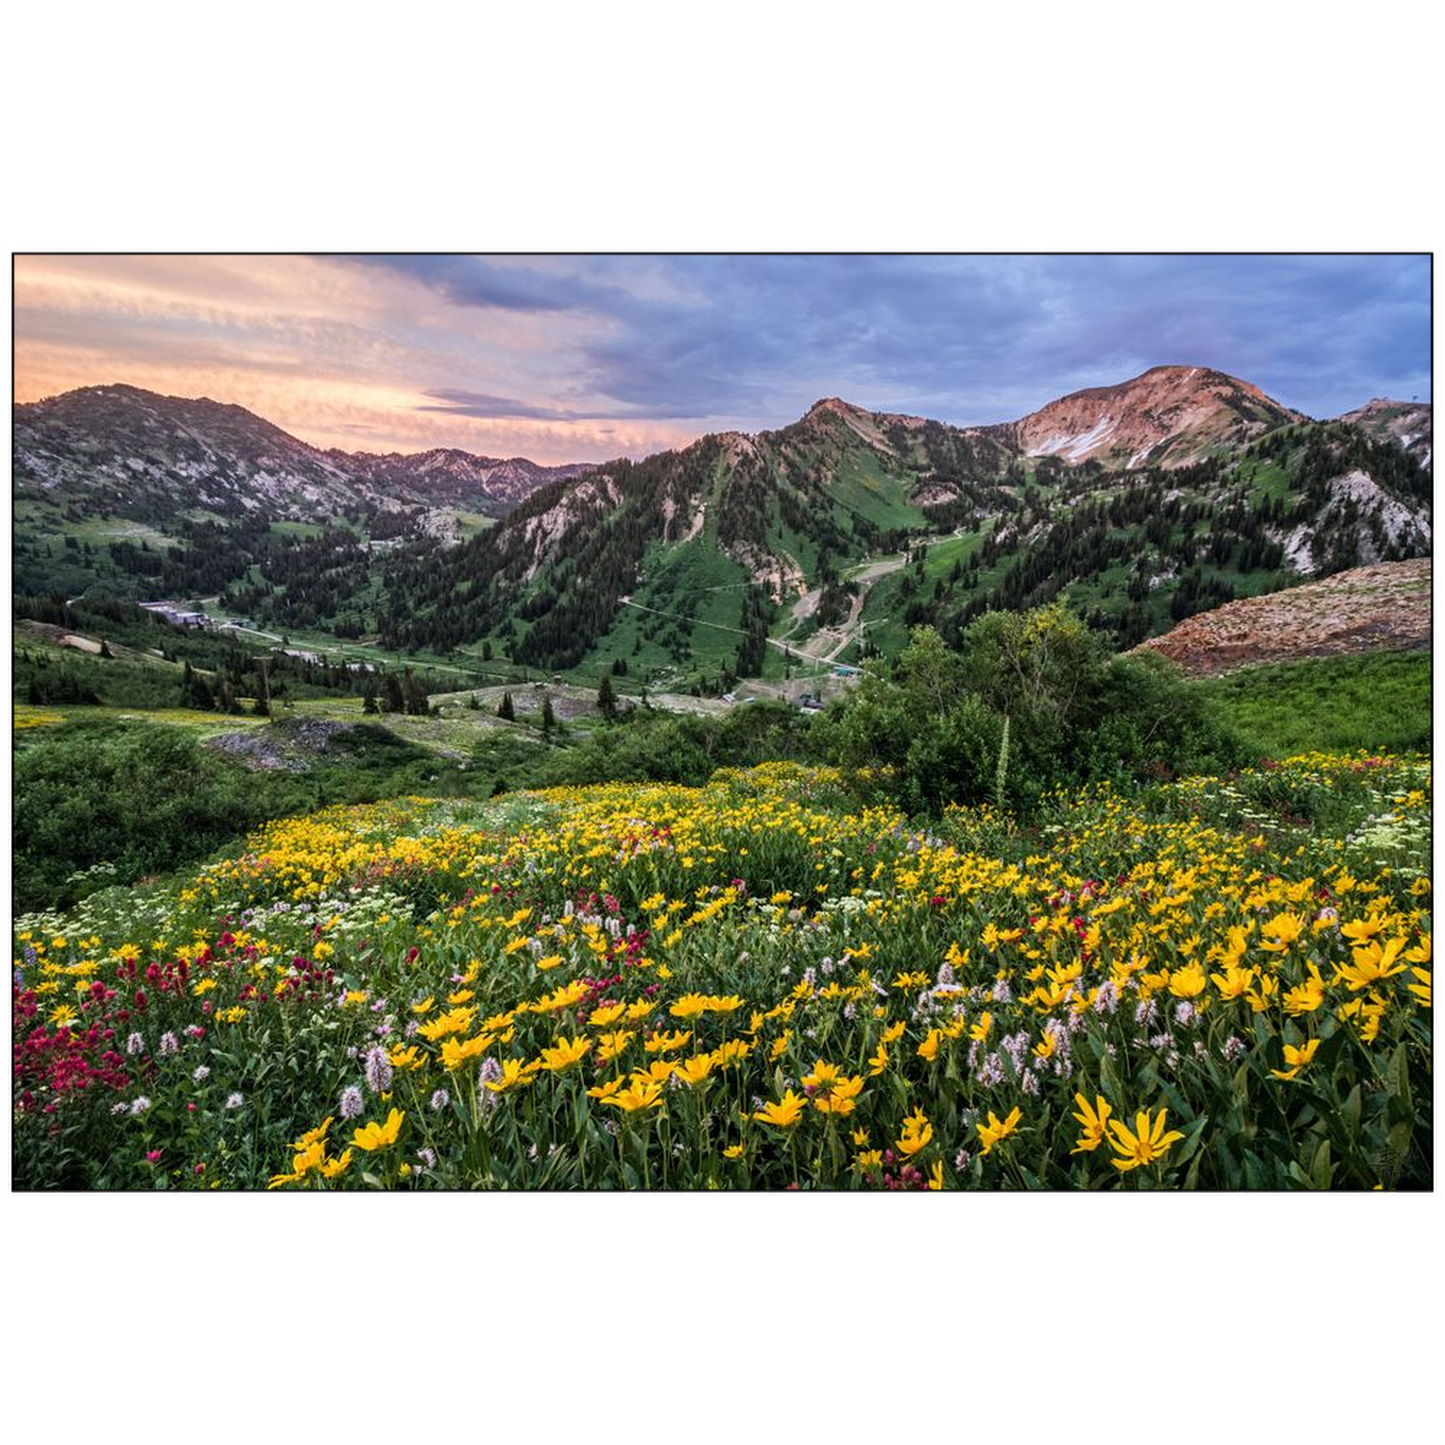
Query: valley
{"points": [[772, 561]]}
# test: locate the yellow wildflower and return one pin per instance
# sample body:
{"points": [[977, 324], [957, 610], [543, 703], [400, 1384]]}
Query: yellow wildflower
{"points": [[379, 1136], [989, 1134], [1145, 1145]]}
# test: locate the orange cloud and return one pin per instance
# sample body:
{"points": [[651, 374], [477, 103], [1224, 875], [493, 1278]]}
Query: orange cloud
{"points": [[336, 354]]}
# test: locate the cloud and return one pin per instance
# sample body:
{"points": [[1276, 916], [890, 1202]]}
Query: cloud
{"points": [[500, 283], [583, 357], [475, 403]]}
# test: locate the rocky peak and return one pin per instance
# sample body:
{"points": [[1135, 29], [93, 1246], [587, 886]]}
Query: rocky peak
{"points": [[1409, 424], [1168, 415]]}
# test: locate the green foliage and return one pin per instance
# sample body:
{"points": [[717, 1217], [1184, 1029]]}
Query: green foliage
{"points": [[1372, 700], [146, 799], [680, 748], [607, 698], [936, 721], [922, 727]]}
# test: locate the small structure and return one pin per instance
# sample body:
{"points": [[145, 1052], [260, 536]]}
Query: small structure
{"points": [[177, 616]]}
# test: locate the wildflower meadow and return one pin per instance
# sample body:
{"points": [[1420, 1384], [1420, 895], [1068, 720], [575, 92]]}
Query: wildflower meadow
{"points": [[770, 982]]}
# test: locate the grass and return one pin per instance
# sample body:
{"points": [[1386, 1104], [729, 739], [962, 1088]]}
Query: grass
{"points": [[1377, 701], [697, 588], [872, 493], [203, 723]]}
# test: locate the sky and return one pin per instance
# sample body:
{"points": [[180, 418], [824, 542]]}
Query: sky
{"points": [[583, 358]]}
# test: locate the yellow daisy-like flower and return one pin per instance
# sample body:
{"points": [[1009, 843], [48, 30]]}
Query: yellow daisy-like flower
{"points": [[785, 1113], [516, 1074], [1281, 931], [989, 1134], [689, 1006], [917, 1132], [1421, 987], [455, 1052], [1373, 964], [330, 1168], [1146, 1144], [1306, 997], [696, 1069], [1095, 1120], [1296, 1058], [660, 1043], [610, 1045], [638, 1095], [841, 1098], [564, 1053], [379, 1136]]}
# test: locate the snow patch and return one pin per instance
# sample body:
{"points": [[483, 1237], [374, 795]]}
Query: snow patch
{"points": [[1075, 447]]}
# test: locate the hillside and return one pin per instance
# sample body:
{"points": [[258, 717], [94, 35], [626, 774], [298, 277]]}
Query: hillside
{"points": [[781, 554], [1410, 425], [1171, 416], [1383, 608], [447, 477], [123, 493], [145, 457], [719, 560]]}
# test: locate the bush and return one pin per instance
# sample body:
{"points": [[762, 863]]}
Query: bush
{"points": [[1075, 716], [145, 799]]}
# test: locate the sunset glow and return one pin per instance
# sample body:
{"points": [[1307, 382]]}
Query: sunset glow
{"points": [[582, 358]]}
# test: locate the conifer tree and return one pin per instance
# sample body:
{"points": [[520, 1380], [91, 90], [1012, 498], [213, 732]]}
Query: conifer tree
{"points": [[606, 697]]}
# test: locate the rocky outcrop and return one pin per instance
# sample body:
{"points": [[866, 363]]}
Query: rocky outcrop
{"points": [[1384, 608]]}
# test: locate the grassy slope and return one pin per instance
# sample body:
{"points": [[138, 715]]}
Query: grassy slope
{"points": [[1372, 700]]}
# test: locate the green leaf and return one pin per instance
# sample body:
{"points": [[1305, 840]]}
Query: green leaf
{"points": [[1351, 1114], [1109, 1078], [1189, 1145], [1191, 1180], [1322, 1171], [1398, 1076]]}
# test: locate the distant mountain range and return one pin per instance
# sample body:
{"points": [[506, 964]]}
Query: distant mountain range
{"points": [[1145, 501], [1142, 502], [133, 450]]}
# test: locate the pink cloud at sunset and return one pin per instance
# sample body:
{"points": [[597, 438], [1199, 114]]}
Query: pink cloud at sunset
{"points": [[583, 358], [336, 353]]}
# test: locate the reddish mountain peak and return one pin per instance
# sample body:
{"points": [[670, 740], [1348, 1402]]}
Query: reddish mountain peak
{"points": [[835, 406], [1168, 415]]}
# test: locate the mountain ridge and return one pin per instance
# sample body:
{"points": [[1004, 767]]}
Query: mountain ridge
{"points": [[792, 510], [187, 436], [1176, 489]]}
